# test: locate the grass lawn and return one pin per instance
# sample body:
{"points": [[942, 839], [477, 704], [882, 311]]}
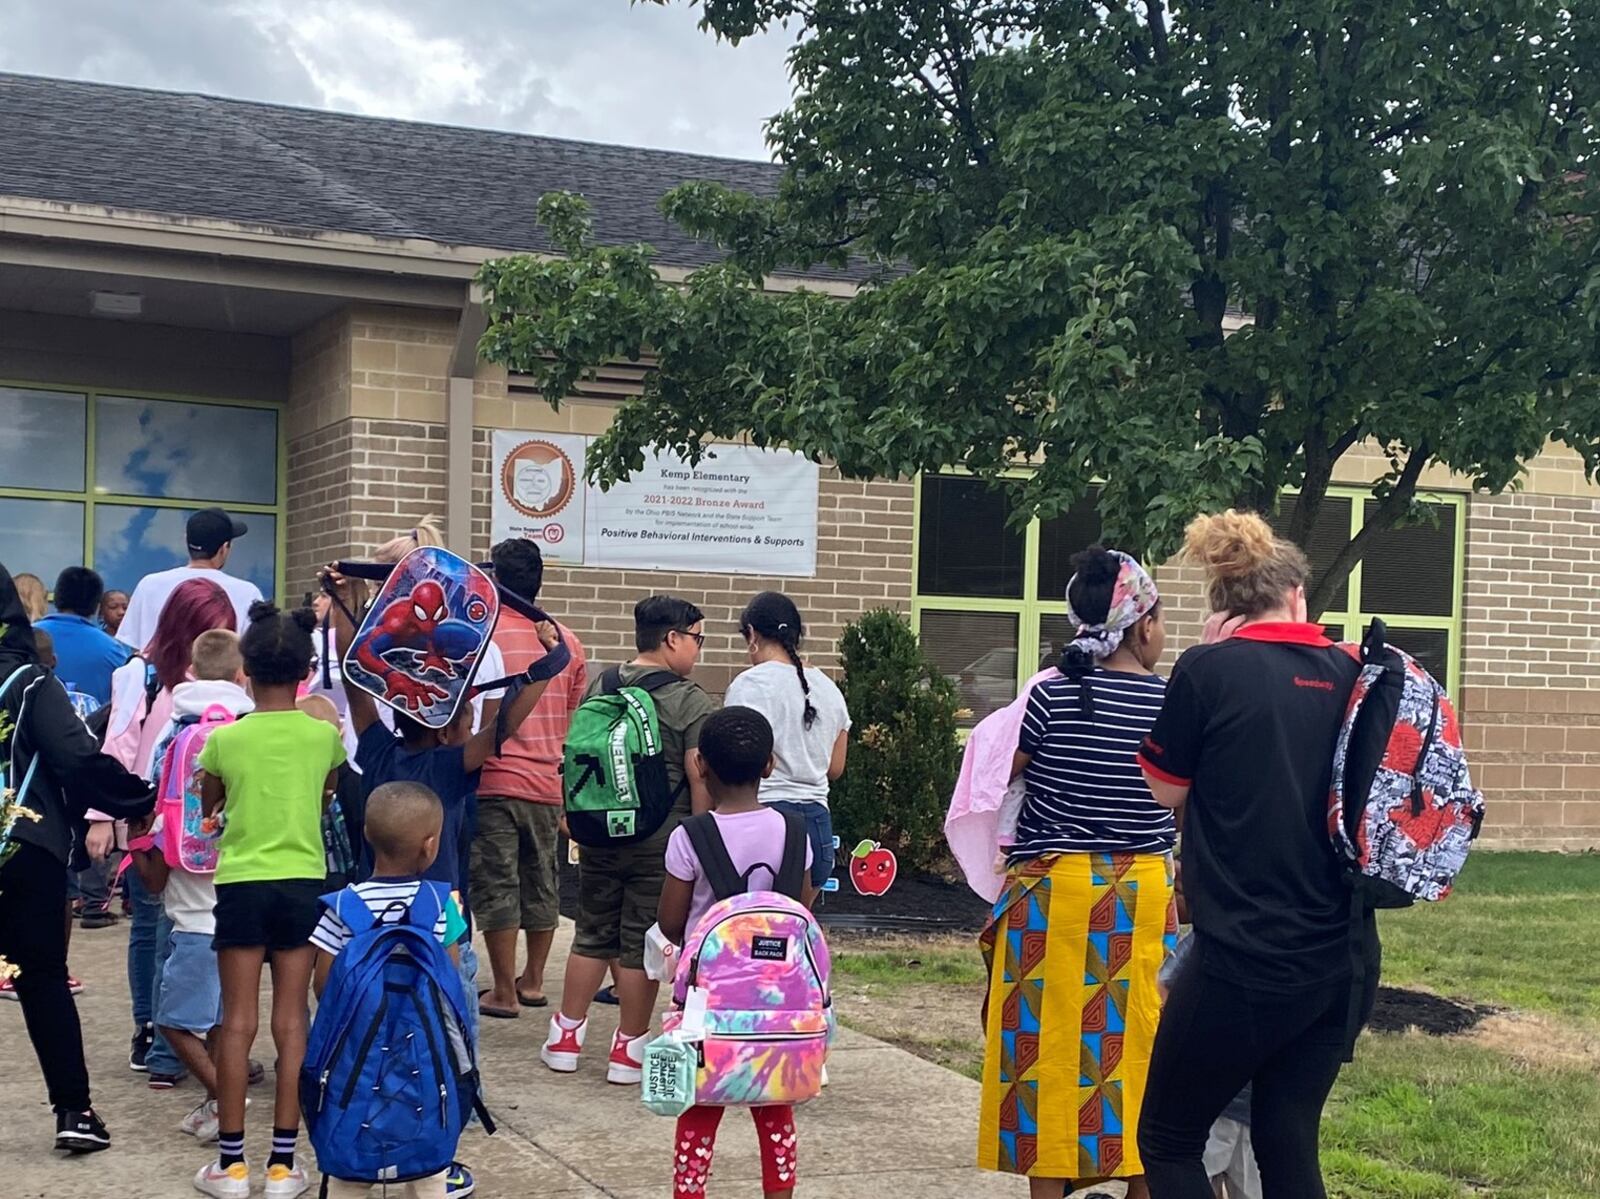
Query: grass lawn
{"points": [[1510, 1111]]}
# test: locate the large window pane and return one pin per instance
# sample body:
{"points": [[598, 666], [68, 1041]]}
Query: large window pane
{"points": [[1330, 535], [131, 542], [1411, 571], [41, 537], [172, 450], [1060, 538], [45, 440], [966, 546], [977, 651], [1431, 647]]}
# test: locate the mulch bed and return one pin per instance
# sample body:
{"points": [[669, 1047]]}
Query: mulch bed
{"points": [[1398, 1010]]}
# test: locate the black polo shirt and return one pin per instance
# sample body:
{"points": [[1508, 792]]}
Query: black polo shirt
{"points": [[1249, 724]]}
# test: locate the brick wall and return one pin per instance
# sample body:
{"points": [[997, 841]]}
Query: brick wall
{"points": [[1531, 667]]}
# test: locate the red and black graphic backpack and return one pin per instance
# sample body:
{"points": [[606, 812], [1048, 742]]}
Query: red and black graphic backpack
{"points": [[1402, 810]]}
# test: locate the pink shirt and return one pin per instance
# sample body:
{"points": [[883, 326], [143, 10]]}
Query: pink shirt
{"points": [[755, 843], [529, 764]]}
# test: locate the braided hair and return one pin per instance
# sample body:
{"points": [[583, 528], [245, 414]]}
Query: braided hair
{"points": [[277, 646], [774, 616], [1094, 577]]}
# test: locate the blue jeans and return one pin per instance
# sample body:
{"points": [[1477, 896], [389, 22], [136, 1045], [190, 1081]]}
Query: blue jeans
{"points": [[149, 943], [819, 828]]}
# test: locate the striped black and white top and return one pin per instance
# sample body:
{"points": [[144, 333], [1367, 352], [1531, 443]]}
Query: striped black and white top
{"points": [[1085, 792]]}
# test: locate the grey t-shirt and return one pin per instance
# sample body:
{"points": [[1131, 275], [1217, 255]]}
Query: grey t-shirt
{"points": [[681, 708]]}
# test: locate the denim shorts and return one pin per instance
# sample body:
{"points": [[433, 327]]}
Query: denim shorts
{"points": [[191, 988], [819, 828]]}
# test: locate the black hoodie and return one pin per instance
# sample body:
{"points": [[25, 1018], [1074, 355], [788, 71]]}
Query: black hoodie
{"points": [[70, 774]]}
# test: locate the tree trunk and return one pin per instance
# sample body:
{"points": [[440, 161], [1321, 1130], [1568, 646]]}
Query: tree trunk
{"points": [[1388, 512]]}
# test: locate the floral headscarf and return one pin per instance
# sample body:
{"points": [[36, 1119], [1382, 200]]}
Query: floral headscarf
{"points": [[1132, 599]]}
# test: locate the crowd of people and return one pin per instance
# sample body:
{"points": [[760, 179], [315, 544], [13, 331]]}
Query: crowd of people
{"points": [[1113, 1050], [317, 785]]}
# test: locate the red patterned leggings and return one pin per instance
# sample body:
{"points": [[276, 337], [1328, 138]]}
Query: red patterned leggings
{"points": [[697, 1140]]}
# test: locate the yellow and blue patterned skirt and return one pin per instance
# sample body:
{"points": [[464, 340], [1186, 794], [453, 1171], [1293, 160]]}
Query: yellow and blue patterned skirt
{"points": [[1072, 951]]}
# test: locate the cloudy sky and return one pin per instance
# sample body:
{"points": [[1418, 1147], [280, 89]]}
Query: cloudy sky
{"points": [[601, 70]]}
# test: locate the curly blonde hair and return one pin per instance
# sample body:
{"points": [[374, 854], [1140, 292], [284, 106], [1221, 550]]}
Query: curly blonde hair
{"points": [[1249, 569]]}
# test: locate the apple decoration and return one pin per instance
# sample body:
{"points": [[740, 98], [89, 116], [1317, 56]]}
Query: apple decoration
{"points": [[872, 868]]}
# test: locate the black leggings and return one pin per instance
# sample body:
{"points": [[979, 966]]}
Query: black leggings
{"points": [[33, 938], [1214, 1037]]}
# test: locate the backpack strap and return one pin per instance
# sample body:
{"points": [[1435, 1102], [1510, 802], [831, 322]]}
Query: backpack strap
{"points": [[427, 905], [791, 877], [352, 910], [723, 877]]}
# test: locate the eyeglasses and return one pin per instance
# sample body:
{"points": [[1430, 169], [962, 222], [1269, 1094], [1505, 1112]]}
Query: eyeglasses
{"points": [[699, 638]]}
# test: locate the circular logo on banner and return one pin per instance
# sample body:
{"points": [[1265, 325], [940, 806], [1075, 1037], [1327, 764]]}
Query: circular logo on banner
{"points": [[538, 479], [554, 533]]}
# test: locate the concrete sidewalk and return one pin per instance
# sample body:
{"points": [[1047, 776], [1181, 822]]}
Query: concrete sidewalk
{"points": [[890, 1124]]}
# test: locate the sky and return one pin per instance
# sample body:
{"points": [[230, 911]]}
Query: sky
{"points": [[595, 70]]}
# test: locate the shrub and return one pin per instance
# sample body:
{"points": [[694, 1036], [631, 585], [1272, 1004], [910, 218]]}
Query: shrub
{"points": [[903, 755]]}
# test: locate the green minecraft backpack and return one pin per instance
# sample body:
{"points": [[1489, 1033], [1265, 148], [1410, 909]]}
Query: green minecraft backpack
{"points": [[613, 774]]}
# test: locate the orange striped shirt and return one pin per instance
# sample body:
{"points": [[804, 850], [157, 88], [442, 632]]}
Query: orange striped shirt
{"points": [[529, 765]]}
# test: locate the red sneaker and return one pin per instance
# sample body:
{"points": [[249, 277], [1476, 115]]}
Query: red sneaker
{"points": [[562, 1046], [8, 989], [627, 1059], [74, 985]]}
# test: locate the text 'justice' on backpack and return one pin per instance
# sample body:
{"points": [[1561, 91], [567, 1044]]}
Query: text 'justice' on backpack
{"points": [[613, 772], [758, 963], [1402, 810]]}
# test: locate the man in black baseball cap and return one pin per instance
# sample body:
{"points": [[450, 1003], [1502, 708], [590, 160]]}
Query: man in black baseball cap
{"points": [[210, 535], [210, 532]]}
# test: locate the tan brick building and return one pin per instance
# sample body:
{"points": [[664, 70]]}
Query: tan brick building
{"points": [[207, 301]]}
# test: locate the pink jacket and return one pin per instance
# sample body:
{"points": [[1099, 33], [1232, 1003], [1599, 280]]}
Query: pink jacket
{"points": [[132, 732], [983, 810]]}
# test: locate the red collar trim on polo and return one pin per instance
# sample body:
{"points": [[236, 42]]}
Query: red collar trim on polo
{"points": [[1285, 633]]}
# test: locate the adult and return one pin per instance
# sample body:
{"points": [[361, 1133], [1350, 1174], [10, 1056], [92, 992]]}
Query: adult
{"points": [[1244, 746], [515, 869], [30, 593], [809, 719], [210, 535], [86, 656], [141, 706], [57, 770], [113, 607], [1080, 931]]}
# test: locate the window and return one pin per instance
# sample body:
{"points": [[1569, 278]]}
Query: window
{"points": [[108, 481], [990, 604], [1410, 577]]}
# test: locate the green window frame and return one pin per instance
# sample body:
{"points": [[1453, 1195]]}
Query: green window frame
{"points": [[1031, 613], [91, 496]]}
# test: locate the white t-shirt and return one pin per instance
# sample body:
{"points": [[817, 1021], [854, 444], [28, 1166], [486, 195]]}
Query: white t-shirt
{"points": [[190, 899], [800, 772], [153, 591]]}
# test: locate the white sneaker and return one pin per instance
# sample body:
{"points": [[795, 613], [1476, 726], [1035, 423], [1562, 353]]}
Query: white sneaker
{"points": [[824, 1073], [627, 1059], [230, 1183], [201, 1123], [563, 1045], [284, 1182]]}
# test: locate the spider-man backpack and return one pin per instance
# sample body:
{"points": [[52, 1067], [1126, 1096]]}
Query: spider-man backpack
{"points": [[1402, 810]]}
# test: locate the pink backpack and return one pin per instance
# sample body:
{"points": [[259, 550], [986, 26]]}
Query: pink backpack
{"points": [[762, 962], [190, 840]]}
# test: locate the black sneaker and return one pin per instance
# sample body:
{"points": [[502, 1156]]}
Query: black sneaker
{"points": [[101, 918], [140, 1049], [81, 1132]]}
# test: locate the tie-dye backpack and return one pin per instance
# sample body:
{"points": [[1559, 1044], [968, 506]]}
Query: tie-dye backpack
{"points": [[761, 962]]}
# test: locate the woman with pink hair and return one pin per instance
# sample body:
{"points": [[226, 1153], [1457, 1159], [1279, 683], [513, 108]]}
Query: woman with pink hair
{"points": [[141, 706]]}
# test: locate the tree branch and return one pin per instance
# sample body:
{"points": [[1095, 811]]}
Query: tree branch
{"points": [[1390, 509]]}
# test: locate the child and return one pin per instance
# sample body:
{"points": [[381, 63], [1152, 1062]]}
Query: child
{"points": [[342, 842], [189, 996], [619, 886], [268, 775], [735, 755], [404, 826], [446, 761]]}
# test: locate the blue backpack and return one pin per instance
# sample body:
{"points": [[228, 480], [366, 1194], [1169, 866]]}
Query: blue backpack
{"points": [[390, 1076]]}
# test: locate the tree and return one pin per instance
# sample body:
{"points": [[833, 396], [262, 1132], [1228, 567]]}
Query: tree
{"points": [[903, 757], [1067, 207]]}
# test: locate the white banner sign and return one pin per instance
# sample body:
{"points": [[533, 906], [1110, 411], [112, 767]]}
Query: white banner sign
{"points": [[539, 492], [742, 510]]}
